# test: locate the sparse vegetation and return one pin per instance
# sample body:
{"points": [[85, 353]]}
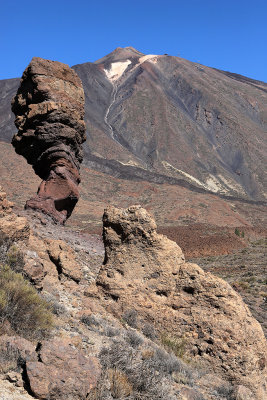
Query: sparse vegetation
{"points": [[120, 387], [99, 324], [174, 344], [134, 338], [21, 306], [10, 254], [8, 358], [15, 259], [144, 373], [225, 391], [130, 317], [237, 231], [149, 331], [245, 270]]}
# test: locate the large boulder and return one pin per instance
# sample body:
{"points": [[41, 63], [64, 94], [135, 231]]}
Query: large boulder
{"points": [[146, 272], [62, 372], [49, 110]]}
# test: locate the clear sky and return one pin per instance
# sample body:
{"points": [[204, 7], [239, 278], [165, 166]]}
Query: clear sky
{"points": [[229, 34]]}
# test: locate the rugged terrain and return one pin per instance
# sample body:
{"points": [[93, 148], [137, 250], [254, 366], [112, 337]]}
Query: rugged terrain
{"points": [[99, 335], [246, 271], [178, 211], [162, 119], [187, 143]]}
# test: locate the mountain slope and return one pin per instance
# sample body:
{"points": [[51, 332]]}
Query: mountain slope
{"points": [[165, 119], [183, 120]]}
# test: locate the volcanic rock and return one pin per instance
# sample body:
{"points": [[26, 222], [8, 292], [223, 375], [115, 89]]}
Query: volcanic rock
{"points": [[62, 256], [146, 272], [49, 110], [62, 372], [11, 226], [18, 347], [5, 205]]}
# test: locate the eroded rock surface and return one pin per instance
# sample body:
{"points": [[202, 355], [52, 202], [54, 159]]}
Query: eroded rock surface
{"points": [[62, 372], [147, 272], [11, 226], [59, 367], [49, 110]]}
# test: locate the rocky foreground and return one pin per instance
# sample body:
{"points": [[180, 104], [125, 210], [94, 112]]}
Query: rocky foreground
{"points": [[137, 322]]}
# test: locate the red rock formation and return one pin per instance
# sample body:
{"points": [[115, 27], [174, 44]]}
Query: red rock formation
{"points": [[49, 109]]}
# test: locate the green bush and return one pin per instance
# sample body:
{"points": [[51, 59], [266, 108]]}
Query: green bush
{"points": [[21, 306], [237, 231]]}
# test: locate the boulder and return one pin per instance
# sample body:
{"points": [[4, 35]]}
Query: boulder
{"points": [[146, 272], [18, 348], [64, 259], [62, 372], [49, 110]]}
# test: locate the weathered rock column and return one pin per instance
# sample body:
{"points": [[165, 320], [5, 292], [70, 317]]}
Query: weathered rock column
{"points": [[49, 110], [146, 272]]}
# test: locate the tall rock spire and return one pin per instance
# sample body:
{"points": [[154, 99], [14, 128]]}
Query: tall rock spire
{"points": [[49, 110]]}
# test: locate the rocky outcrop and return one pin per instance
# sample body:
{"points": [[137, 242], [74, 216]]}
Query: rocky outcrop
{"points": [[63, 258], [6, 206], [11, 226], [57, 368], [147, 272], [49, 110], [53, 370], [62, 372]]}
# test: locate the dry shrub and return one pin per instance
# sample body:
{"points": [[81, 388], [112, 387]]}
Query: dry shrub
{"points": [[21, 306], [175, 344], [131, 318], [147, 354], [10, 254], [149, 331], [15, 259], [149, 370], [8, 358], [120, 386]]}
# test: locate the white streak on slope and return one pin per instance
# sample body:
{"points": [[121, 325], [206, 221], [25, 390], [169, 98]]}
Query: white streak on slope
{"points": [[116, 70], [113, 98]]}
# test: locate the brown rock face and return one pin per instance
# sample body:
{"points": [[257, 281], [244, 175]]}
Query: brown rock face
{"points": [[11, 226], [49, 110], [62, 372], [147, 272]]}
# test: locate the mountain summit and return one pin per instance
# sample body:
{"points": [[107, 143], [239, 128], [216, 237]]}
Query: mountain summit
{"points": [[120, 54], [164, 120], [170, 117]]}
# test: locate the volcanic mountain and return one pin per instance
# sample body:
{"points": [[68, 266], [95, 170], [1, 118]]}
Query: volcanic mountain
{"points": [[157, 125]]}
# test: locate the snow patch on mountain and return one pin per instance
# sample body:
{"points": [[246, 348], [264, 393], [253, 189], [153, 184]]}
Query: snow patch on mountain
{"points": [[151, 57], [116, 70]]}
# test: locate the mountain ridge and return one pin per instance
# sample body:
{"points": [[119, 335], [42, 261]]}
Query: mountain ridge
{"points": [[166, 120]]}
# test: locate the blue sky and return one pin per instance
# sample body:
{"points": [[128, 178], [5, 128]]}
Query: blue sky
{"points": [[230, 35]]}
